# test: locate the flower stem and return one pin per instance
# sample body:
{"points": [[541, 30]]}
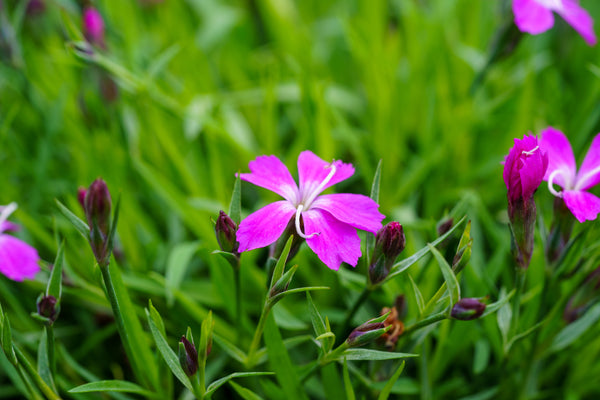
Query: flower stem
{"points": [[250, 358], [432, 319], [50, 348], [238, 294], [344, 330], [521, 273]]}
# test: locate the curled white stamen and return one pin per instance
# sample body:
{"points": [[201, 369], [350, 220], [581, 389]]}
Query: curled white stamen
{"points": [[6, 211], [581, 182], [300, 233], [314, 193], [551, 181], [530, 152]]}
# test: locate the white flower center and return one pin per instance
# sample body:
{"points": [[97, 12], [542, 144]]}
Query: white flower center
{"points": [[309, 197], [551, 4]]}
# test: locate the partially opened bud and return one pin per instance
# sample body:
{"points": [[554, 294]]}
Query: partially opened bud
{"points": [[368, 332], [97, 207], [225, 229], [188, 356], [389, 243], [93, 26], [468, 309], [47, 307]]}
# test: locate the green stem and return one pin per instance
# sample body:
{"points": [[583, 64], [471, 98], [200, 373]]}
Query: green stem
{"points": [[128, 326], [333, 354], [238, 295], [250, 358], [519, 284], [432, 319], [46, 390], [50, 347], [198, 388], [344, 330]]}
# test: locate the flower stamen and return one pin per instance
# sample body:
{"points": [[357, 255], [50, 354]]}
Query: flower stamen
{"points": [[6, 211], [530, 152], [315, 192], [551, 182], [300, 233]]}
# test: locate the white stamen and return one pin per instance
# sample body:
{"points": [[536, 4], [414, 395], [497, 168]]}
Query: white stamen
{"points": [[582, 181], [530, 152], [6, 211], [551, 181], [300, 233], [314, 193]]}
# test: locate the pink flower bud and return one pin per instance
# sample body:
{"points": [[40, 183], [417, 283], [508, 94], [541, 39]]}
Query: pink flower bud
{"points": [[93, 26], [468, 309]]}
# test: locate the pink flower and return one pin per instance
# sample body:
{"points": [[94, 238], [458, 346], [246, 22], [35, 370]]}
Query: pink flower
{"points": [[18, 260], [327, 222], [93, 26], [524, 168], [562, 170], [535, 16]]}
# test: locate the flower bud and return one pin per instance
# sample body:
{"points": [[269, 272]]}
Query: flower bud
{"points": [[93, 26], [97, 207], [225, 229], [467, 309], [47, 307], [367, 332], [188, 356], [389, 243], [35, 7], [524, 169]]}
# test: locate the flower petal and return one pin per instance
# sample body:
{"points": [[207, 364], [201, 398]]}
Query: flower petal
{"points": [[560, 157], [270, 173], [263, 227], [589, 173], [336, 241], [579, 19], [18, 260], [532, 17], [583, 205], [354, 209], [8, 226], [312, 171]]}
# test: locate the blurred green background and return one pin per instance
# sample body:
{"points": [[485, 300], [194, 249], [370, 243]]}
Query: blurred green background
{"points": [[186, 93]]}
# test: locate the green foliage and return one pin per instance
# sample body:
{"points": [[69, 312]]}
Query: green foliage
{"points": [[424, 98]]}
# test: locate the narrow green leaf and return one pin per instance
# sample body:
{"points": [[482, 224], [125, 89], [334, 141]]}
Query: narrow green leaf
{"points": [[573, 331], [244, 393], [220, 382], [54, 287], [35, 377], [280, 266], [403, 265], [235, 206], [280, 361], [162, 60], [491, 308], [154, 314], [275, 299], [315, 317], [333, 386], [370, 242], [43, 366], [81, 226], [113, 386], [449, 277], [418, 295], [368, 354], [113, 225], [7, 344], [325, 336], [387, 389], [347, 382], [232, 350], [504, 316], [167, 353], [177, 265]]}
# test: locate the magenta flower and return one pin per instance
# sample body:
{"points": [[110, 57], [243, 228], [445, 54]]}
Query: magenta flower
{"points": [[524, 168], [93, 26], [18, 260], [535, 16], [562, 170], [327, 222]]}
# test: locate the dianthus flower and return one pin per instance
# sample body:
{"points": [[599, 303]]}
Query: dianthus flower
{"points": [[327, 222], [535, 16], [18, 260], [562, 170]]}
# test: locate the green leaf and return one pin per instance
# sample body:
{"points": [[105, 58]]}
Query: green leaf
{"points": [[81, 226], [387, 389], [347, 382], [368, 354], [7, 344], [167, 353], [275, 299], [280, 266], [177, 265], [370, 243], [504, 316], [403, 265], [220, 382], [113, 225], [315, 317], [280, 361], [231, 349], [573, 331], [418, 295], [43, 366], [235, 206], [244, 393], [332, 384], [449, 277], [491, 308], [112, 386], [54, 287]]}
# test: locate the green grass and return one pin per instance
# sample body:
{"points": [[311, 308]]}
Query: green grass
{"points": [[205, 86]]}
